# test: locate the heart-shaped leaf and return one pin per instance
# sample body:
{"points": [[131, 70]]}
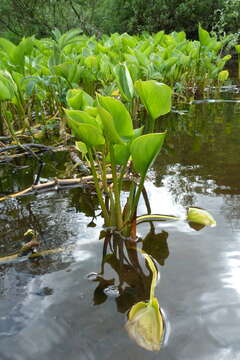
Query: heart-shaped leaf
{"points": [[121, 117], [155, 96], [144, 150], [109, 128]]}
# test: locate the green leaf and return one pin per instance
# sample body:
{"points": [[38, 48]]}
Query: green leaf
{"points": [[4, 92], [237, 47], [7, 87], [109, 128], [68, 70], [22, 49], [124, 80], [87, 133], [82, 117], [204, 36], [121, 153], [144, 150], [7, 46], [121, 117], [81, 147], [78, 99], [200, 216], [155, 96], [223, 75]]}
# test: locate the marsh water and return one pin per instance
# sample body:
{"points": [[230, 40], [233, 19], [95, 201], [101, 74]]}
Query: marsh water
{"points": [[73, 304]]}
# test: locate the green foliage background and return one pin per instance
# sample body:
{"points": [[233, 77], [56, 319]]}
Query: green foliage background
{"points": [[26, 17]]}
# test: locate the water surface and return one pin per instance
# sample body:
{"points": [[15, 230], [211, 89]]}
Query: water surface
{"points": [[53, 309]]}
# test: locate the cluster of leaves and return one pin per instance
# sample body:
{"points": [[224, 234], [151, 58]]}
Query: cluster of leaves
{"points": [[105, 125], [36, 74]]}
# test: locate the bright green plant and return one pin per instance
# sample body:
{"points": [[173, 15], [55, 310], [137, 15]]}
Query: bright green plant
{"points": [[108, 128]]}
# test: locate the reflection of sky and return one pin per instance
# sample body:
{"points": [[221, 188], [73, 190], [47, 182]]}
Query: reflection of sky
{"points": [[232, 277]]}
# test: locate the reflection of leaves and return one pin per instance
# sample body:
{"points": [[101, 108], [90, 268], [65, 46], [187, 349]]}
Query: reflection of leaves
{"points": [[195, 226], [83, 202], [156, 246], [99, 296]]}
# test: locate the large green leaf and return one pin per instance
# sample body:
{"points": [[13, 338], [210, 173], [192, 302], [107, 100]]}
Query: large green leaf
{"points": [[87, 133], [4, 92], [7, 46], [68, 70], [7, 86], [22, 49], [81, 117], [237, 47], [78, 99], [155, 96], [204, 36], [144, 150], [121, 117], [109, 128], [121, 153], [124, 80]]}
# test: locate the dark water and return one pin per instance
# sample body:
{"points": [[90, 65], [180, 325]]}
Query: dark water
{"points": [[53, 309]]}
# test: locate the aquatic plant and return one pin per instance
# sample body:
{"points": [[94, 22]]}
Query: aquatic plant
{"points": [[44, 70], [108, 139]]}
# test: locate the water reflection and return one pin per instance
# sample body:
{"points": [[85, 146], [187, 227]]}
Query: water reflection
{"points": [[202, 155], [200, 287], [134, 289]]}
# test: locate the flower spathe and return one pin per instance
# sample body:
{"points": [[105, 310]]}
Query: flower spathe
{"points": [[145, 325]]}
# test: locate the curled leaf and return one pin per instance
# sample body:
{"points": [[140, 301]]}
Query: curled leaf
{"points": [[200, 216]]}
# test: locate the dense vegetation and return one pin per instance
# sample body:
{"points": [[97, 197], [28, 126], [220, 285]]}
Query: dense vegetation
{"points": [[35, 75], [20, 18]]}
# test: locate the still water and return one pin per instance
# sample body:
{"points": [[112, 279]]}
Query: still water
{"points": [[74, 304]]}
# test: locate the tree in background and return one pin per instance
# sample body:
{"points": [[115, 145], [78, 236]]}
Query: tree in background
{"points": [[26, 17]]}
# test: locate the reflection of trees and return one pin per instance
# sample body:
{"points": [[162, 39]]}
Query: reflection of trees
{"points": [[231, 210], [202, 154]]}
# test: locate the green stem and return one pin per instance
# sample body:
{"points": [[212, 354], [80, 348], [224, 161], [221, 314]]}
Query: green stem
{"points": [[98, 190], [137, 197], [121, 175], [118, 210], [154, 276], [8, 123], [102, 166]]}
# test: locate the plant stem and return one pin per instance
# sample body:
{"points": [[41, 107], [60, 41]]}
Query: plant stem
{"points": [[121, 175], [99, 193], [137, 197], [154, 276], [118, 210]]}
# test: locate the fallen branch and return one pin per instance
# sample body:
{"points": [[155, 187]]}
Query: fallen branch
{"points": [[25, 147], [57, 184], [7, 158]]}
